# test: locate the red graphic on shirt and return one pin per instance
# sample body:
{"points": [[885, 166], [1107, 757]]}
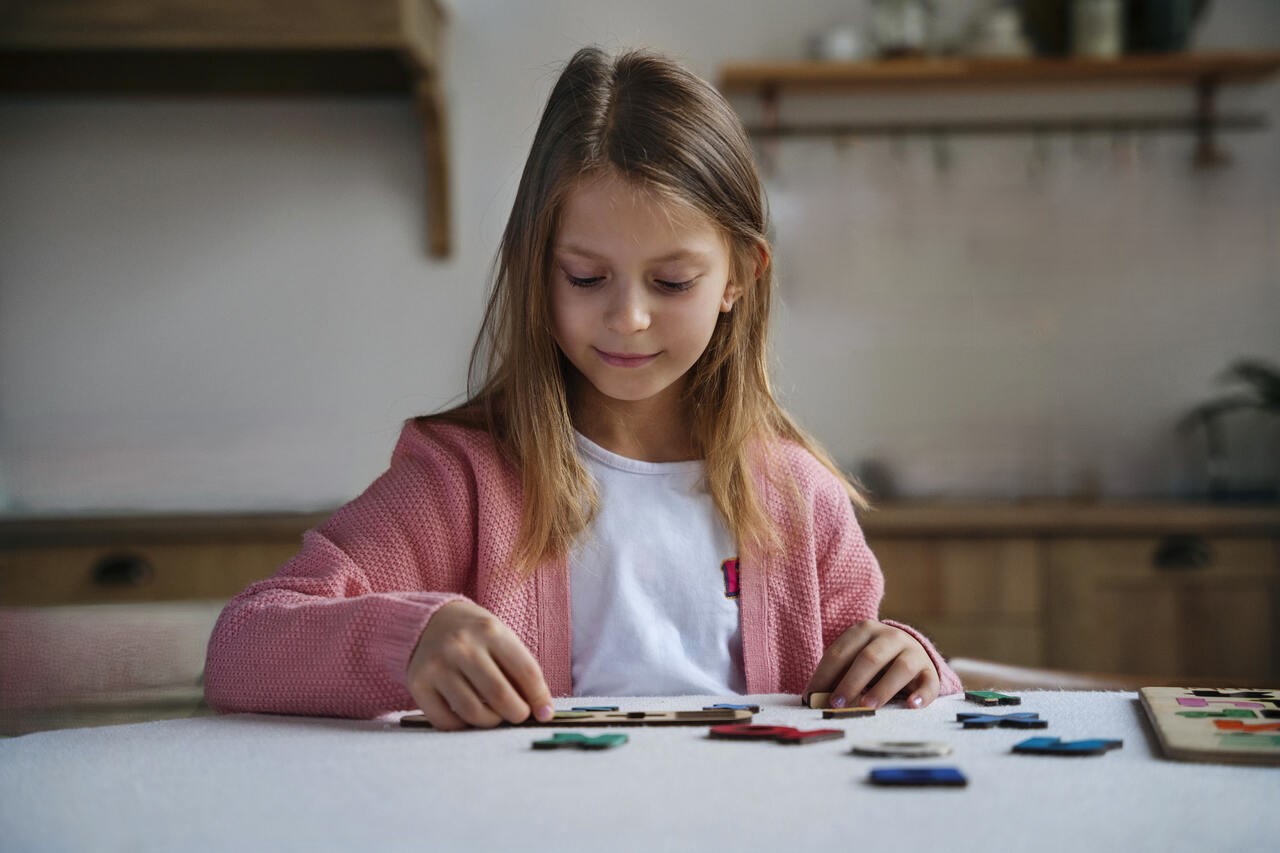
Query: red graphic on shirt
{"points": [[730, 570]]}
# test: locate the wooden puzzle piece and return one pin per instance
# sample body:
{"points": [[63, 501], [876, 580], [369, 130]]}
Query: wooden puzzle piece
{"points": [[816, 700], [1058, 746], [726, 706], [611, 718], [781, 734], [574, 740], [1024, 720], [949, 777], [847, 713], [991, 697], [1222, 693], [902, 749], [1224, 713], [1251, 728], [1197, 702], [1248, 740]]}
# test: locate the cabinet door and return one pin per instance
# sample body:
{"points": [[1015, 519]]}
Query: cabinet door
{"points": [[1172, 606], [146, 572], [977, 597]]}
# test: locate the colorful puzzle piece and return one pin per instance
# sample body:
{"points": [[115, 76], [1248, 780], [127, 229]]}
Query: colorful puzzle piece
{"points": [[991, 697], [1238, 726], [781, 734], [1058, 746], [726, 706], [918, 776], [1235, 694], [596, 708], [1225, 712], [902, 749], [1248, 740], [574, 740], [846, 713], [1197, 702], [1024, 720]]}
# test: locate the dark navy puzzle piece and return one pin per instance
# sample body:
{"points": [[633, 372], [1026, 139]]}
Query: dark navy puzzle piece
{"points": [[1022, 720], [727, 706], [918, 777], [1058, 746]]}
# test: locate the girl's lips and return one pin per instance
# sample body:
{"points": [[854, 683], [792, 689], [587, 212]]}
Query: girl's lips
{"points": [[620, 359]]}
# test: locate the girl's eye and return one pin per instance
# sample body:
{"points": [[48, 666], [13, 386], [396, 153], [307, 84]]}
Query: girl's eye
{"points": [[583, 282], [676, 286]]}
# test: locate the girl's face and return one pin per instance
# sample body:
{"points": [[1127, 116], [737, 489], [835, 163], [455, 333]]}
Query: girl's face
{"points": [[636, 287]]}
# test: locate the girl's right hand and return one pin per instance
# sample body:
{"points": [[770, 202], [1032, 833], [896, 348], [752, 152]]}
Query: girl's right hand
{"points": [[471, 669]]}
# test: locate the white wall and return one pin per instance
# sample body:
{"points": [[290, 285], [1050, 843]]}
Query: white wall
{"points": [[222, 303]]}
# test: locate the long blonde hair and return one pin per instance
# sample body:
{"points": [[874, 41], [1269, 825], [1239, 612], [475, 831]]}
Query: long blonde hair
{"points": [[646, 119]]}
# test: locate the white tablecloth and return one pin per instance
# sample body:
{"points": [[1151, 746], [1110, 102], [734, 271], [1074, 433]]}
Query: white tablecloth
{"points": [[256, 782]]}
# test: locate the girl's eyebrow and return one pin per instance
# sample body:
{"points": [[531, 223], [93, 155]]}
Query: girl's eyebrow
{"points": [[678, 255]]}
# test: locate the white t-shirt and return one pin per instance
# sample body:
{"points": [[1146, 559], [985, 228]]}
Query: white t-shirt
{"points": [[654, 584]]}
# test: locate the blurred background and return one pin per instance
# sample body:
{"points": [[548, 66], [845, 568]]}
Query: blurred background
{"points": [[1012, 310]]}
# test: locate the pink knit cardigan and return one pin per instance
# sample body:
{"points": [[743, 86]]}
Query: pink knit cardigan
{"points": [[332, 631]]}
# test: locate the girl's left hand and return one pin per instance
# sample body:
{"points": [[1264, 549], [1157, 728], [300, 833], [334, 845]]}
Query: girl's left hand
{"points": [[871, 663]]}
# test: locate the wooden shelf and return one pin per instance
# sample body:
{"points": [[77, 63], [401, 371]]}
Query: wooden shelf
{"points": [[1204, 72], [923, 74], [239, 47]]}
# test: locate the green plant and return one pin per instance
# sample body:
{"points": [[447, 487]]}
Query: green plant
{"points": [[1257, 387]]}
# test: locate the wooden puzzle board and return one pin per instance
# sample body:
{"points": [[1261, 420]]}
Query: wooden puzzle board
{"points": [[1223, 725], [615, 718]]}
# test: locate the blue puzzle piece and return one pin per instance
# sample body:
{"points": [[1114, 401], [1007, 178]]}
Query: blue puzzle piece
{"points": [[725, 706], [1024, 720], [595, 708], [1058, 746], [918, 776]]}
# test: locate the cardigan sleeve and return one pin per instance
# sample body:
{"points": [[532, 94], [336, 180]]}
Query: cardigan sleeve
{"points": [[851, 583], [332, 631]]}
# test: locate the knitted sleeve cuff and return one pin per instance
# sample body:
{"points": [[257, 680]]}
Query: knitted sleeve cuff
{"points": [[401, 624], [949, 682]]}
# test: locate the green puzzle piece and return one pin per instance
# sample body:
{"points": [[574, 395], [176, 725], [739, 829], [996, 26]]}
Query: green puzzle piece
{"points": [[574, 740], [1247, 740], [1225, 712]]}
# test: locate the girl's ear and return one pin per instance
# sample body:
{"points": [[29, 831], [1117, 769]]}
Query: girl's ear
{"points": [[734, 290]]}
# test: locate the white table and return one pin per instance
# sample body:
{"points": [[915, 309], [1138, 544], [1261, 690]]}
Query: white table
{"points": [[254, 782]]}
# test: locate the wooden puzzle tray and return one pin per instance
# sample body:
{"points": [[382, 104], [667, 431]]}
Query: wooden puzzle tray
{"points": [[616, 718], [1224, 725]]}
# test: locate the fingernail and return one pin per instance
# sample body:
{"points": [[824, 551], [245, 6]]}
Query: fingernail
{"points": [[915, 701], [836, 701], [868, 702], [545, 713]]}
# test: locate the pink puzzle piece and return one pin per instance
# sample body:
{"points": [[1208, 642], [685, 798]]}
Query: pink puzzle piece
{"points": [[1197, 702]]}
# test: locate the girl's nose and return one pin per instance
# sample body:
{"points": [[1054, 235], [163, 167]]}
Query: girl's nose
{"points": [[628, 309]]}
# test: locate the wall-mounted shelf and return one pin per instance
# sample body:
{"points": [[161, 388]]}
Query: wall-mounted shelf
{"points": [[1205, 72], [252, 47]]}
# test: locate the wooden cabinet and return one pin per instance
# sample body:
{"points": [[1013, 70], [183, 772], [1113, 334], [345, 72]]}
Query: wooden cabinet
{"points": [[110, 561], [1162, 590]]}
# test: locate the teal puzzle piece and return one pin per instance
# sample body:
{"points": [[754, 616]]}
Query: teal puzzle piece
{"points": [[574, 740]]}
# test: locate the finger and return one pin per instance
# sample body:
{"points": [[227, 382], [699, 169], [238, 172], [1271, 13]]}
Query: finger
{"points": [[493, 688], [897, 676], [524, 674], [925, 688], [874, 657], [465, 702], [838, 657], [438, 712]]}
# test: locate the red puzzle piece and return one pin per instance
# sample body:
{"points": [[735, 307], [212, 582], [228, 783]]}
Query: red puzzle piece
{"points": [[781, 734]]}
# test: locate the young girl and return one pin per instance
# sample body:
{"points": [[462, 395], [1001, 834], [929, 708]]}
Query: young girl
{"points": [[621, 507]]}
